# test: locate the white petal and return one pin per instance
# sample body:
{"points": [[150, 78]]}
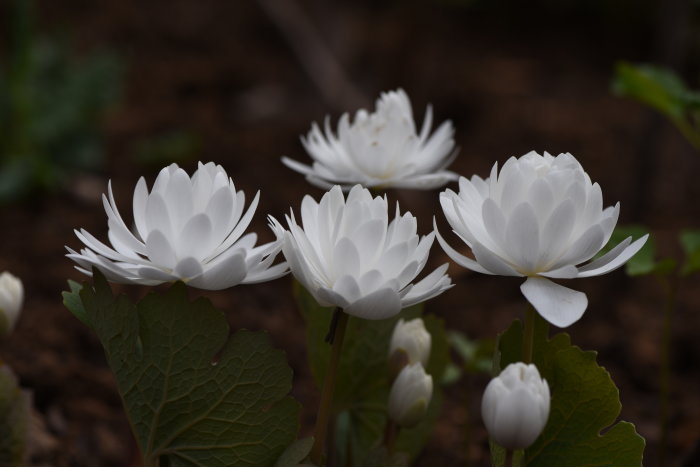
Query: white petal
{"points": [[159, 250], [188, 267], [430, 286], [346, 258], [239, 229], [347, 287], [139, 207], [226, 273], [556, 232], [381, 304], [195, 238], [608, 262], [219, 209], [557, 304], [458, 258], [494, 220], [564, 272], [178, 197], [523, 237], [492, 262], [583, 248], [157, 215]]}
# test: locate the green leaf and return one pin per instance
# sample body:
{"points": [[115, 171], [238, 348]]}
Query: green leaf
{"points": [[585, 402], [654, 86], [15, 412], [195, 395], [690, 241], [295, 453], [362, 387], [72, 301], [476, 355]]}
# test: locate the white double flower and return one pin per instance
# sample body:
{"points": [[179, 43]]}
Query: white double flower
{"points": [[380, 149], [189, 229], [540, 218]]}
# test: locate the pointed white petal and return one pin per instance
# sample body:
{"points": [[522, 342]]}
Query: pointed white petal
{"points": [[613, 263]]}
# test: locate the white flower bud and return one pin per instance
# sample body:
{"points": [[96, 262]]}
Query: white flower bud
{"points": [[412, 338], [515, 406], [11, 298], [410, 395]]}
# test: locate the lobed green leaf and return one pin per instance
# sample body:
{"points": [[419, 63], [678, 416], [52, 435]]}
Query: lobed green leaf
{"points": [[195, 395]]}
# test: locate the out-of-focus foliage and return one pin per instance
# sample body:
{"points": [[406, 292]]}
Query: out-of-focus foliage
{"points": [[646, 262], [52, 104], [690, 241], [15, 408], [584, 403], [178, 146], [665, 92]]}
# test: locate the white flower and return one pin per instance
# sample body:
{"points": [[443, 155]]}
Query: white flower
{"points": [[410, 395], [515, 406], [188, 229], [11, 298], [412, 338], [539, 218], [380, 149], [350, 256]]}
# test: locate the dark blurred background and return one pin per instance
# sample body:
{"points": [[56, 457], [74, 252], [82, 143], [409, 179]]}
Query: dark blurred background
{"points": [[237, 82]]}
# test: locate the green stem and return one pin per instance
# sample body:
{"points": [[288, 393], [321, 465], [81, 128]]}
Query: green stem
{"points": [[529, 333], [665, 370], [467, 423], [337, 333]]}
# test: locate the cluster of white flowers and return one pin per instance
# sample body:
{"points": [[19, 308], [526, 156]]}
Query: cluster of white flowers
{"points": [[540, 218]]}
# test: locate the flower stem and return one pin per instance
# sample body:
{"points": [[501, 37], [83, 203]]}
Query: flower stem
{"points": [[390, 433], [509, 458], [336, 334], [529, 333], [665, 370]]}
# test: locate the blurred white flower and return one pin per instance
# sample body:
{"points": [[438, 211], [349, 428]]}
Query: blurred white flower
{"points": [[11, 299], [515, 406], [350, 256], [410, 395], [188, 229], [380, 149], [412, 338], [539, 218]]}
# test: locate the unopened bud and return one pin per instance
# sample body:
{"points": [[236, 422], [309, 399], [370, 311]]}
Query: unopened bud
{"points": [[11, 298], [411, 337], [515, 406], [410, 396]]}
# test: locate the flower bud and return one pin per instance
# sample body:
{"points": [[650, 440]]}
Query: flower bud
{"points": [[515, 406], [412, 338], [410, 395], [11, 297]]}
